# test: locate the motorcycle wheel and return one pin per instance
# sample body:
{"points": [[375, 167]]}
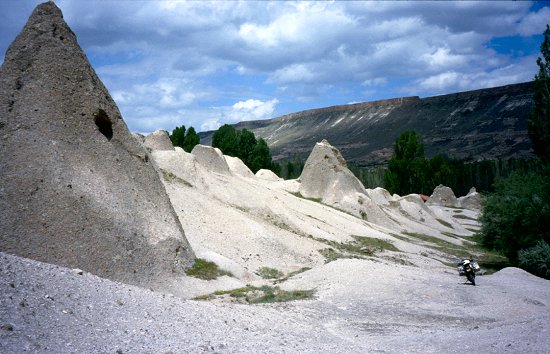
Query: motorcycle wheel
{"points": [[471, 278]]}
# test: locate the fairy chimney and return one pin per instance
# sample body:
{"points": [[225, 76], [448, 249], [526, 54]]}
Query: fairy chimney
{"points": [[76, 188]]}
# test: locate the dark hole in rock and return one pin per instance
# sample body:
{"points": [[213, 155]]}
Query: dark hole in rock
{"points": [[104, 124]]}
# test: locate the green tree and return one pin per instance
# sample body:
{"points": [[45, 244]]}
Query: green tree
{"points": [[260, 157], [246, 142], [225, 139], [439, 171], [539, 120], [536, 259], [517, 214], [406, 168], [191, 139], [243, 144], [178, 136]]}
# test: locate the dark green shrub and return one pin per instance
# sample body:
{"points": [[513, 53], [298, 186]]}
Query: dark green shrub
{"points": [[536, 259], [517, 214], [205, 270]]}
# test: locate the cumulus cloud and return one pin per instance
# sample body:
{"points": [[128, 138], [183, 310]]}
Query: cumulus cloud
{"points": [[208, 63], [534, 23], [251, 109]]}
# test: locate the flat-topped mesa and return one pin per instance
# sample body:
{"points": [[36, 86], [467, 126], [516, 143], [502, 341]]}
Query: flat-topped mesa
{"points": [[77, 189], [392, 102]]}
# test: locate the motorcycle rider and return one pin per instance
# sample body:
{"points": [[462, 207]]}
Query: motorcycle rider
{"points": [[469, 270]]}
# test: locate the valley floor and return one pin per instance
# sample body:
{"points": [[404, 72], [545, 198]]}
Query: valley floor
{"points": [[359, 306]]}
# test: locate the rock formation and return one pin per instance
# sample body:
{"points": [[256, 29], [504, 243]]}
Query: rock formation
{"points": [[472, 200], [158, 140], [327, 178], [211, 158], [325, 173], [238, 167], [268, 175], [444, 196], [77, 189]]}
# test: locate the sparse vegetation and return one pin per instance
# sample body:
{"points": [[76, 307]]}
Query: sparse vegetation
{"points": [[269, 273], [291, 274], [206, 270], [361, 247], [259, 295], [464, 217], [172, 178], [331, 255], [445, 223], [299, 195]]}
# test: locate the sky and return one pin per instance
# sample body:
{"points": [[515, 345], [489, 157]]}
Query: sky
{"points": [[205, 64]]}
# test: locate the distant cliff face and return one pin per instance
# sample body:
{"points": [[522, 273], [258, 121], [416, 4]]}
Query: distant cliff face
{"points": [[474, 125]]}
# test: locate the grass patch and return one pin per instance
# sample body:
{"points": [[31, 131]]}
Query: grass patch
{"points": [[444, 223], [360, 247], [489, 261], [450, 234], [205, 270], [465, 217], [331, 254], [260, 295], [172, 178], [376, 243], [269, 273], [299, 195], [439, 244], [291, 274]]}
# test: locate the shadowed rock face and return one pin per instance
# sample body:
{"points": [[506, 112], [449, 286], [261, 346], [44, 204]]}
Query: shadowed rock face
{"points": [[76, 189]]}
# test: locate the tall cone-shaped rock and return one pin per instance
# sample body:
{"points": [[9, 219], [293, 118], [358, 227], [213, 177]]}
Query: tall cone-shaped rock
{"points": [[76, 189], [327, 177]]}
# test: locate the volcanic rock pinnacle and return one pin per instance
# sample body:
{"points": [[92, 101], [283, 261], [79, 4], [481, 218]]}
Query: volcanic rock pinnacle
{"points": [[76, 189]]}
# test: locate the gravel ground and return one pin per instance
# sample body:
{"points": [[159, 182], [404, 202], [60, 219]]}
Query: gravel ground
{"points": [[46, 308]]}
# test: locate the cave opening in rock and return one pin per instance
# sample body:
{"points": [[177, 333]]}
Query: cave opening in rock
{"points": [[104, 124]]}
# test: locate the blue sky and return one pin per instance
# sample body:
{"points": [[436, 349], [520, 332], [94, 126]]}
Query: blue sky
{"points": [[204, 64]]}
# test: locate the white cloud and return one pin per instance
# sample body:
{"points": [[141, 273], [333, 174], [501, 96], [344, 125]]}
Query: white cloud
{"points": [[453, 81], [181, 62], [440, 81], [252, 109], [535, 23], [210, 124]]}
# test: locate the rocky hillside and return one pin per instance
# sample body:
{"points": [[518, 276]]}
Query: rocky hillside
{"points": [[474, 125]]}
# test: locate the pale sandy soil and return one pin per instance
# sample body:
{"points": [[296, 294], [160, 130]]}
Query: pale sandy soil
{"points": [[393, 302]]}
